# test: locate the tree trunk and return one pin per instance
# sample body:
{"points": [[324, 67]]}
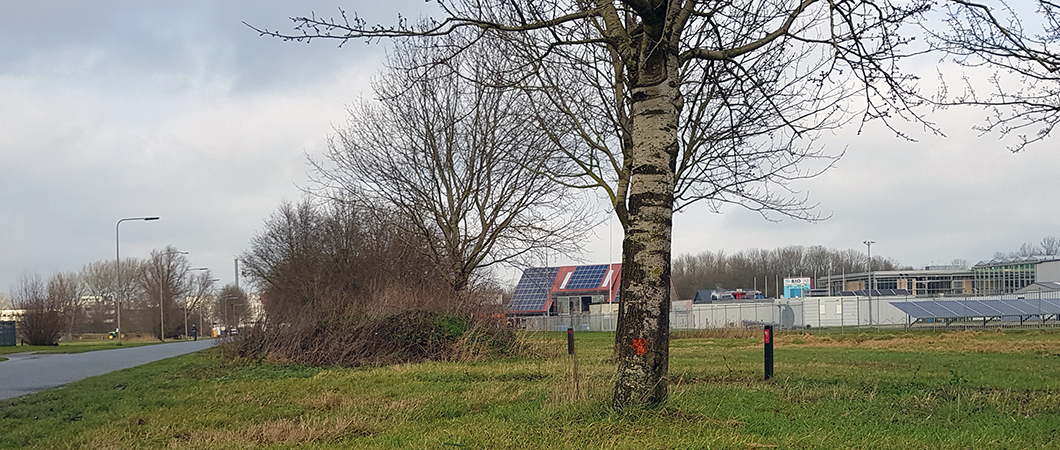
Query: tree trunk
{"points": [[642, 339]]}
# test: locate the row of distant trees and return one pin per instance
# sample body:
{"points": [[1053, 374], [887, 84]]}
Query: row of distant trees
{"points": [[761, 268], [71, 303], [1049, 246]]}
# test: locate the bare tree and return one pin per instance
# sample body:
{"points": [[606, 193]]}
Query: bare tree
{"points": [[742, 269], [64, 289], [832, 50], [41, 321], [1029, 249], [104, 285], [230, 307], [1021, 41], [200, 286], [1050, 245], [163, 280], [459, 161]]}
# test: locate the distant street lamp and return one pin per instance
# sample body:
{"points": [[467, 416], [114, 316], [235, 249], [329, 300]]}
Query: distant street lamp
{"points": [[161, 301], [869, 245], [117, 266]]}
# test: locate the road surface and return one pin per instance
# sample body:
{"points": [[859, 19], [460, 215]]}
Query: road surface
{"points": [[26, 373]]}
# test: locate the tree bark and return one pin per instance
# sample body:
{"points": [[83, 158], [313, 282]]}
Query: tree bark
{"points": [[642, 337]]}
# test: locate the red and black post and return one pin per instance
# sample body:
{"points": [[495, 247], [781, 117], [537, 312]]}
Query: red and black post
{"points": [[570, 341], [768, 336]]}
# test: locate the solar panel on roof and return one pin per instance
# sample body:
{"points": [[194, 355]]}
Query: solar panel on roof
{"points": [[532, 292], [587, 277]]}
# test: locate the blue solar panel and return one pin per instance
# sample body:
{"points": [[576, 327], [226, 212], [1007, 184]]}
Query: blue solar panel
{"points": [[912, 309], [977, 308], [531, 294], [587, 277], [1005, 308], [1049, 306]]}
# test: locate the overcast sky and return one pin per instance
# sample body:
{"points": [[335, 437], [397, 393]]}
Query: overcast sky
{"points": [[122, 109]]}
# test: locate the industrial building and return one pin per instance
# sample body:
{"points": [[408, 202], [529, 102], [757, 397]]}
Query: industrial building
{"points": [[586, 297], [993, 277]]}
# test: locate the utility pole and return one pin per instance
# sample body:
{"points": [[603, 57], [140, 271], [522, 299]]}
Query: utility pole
{"points": [[869, 245]]}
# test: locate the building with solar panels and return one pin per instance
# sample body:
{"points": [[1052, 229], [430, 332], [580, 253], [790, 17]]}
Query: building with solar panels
{"points": [[565, 290]]}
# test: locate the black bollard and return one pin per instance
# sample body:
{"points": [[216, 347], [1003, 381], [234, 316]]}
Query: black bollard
{"points": [[768, 335], [570, 341]]}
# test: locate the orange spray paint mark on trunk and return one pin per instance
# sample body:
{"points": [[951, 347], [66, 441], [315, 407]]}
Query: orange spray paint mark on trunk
{"points": [[639, 346]]}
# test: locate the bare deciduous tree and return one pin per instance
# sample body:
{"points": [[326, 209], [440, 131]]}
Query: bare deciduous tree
{"points": [[751, 268], [1021, 41], [103, 283], [65, 289], [832, 49], [163, 280], [230, 306], [1029, 249], [41, 321], [1050, 245], [459, 161], [200, 286]]}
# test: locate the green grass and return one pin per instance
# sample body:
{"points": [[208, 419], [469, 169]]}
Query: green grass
{"points": [[75, 347], [897, 390]]}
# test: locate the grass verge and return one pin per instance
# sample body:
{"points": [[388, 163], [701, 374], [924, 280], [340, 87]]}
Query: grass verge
{"points": [[920, 390], [77, 346]]}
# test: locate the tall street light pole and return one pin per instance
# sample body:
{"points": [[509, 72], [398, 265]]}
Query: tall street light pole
{"points": [[161, 290], [869, 245], [117, 266]]}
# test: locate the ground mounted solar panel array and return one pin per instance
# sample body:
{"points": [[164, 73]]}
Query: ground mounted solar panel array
{"points": [[587, 277], [874, 293], [953, 310], [531, 294]]}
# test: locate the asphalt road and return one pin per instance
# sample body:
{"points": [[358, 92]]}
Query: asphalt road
{"points": [[26, 373]]}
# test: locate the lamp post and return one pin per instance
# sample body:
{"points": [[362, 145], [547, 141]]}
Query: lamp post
{"points": [[117, 266], [869, 245], [161, 301]]}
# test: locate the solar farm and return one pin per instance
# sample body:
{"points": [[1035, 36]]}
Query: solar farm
{"points": [[986, 311]]}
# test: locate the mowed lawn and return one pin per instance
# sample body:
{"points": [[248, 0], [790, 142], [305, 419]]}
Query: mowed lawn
{"points": [[880, 389]]}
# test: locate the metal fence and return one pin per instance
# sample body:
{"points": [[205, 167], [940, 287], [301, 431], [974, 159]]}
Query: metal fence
{"points": [[7, 334], [813, 312]]}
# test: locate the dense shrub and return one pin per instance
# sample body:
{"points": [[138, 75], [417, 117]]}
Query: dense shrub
{"points": [[340, 286], [408, 336]]}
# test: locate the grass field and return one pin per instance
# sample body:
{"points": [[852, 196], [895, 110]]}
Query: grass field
{"points": [[898, 390], [78, 346]]}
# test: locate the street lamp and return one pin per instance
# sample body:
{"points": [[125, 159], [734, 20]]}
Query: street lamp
{"points": [[161, 301], [869, 245], [117, 266]]}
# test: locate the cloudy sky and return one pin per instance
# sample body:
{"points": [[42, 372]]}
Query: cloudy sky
{"points": [[122, 109]]}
